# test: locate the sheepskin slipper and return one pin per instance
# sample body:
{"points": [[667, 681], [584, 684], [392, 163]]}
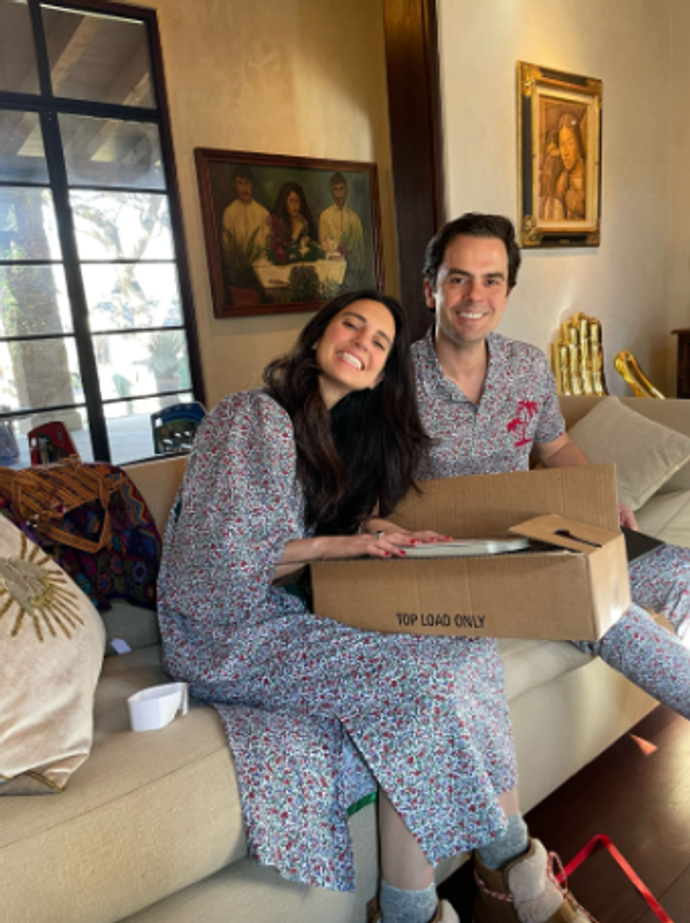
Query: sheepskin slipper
{"points": [[525, 891], [445, 914]]}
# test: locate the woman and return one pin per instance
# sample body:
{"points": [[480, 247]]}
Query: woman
{"points": [[318, 713], [292, 231], [570, 185]]}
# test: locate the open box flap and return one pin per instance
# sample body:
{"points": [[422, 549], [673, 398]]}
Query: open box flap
{"points": [[489, 504], [565, 533]]}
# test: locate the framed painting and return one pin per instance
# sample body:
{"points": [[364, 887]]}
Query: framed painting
{"points": [[559, 158], [287, 233]]}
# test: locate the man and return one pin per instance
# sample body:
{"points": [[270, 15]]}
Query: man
{"points": [[245, 220], [472, 383], [340, 229]]}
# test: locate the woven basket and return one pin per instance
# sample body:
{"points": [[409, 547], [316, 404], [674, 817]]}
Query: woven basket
{"points": [[44, 495]]}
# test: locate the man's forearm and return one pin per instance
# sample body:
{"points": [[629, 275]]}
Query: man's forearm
{"points": [[562, 453]]}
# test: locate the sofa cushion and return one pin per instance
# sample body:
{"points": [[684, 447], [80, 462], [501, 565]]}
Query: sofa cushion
{"points": [[51, 651], [133, 624], [530, 663], [667, 516], [646, 454], [148, 814], [159, 481]]}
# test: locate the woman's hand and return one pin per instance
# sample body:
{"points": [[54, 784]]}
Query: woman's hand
{"points": [[366, 544], [331, 547], [379, 539], [402, 537]]}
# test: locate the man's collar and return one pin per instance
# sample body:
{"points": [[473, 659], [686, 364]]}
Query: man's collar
{"points": [[495, 348]]}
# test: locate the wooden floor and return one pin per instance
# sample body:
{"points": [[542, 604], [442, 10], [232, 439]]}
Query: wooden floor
{"points": [[638, 793]]}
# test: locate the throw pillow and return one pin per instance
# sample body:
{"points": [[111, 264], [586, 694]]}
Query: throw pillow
{"points": [[51, 651], [646, 454]]}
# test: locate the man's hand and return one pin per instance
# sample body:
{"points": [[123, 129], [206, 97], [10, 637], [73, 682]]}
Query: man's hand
{"points": [[626, 517]]}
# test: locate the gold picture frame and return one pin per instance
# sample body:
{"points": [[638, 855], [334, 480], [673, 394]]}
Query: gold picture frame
{"points": [[559, 157]]}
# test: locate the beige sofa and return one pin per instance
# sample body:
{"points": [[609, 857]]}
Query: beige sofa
{"points": [[149, 828]]}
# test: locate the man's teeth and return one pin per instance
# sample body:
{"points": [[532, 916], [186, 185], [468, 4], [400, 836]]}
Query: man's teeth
{"points": [[471, 314], [352, 360]]}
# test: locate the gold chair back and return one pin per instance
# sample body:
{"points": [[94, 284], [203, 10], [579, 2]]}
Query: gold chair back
{"points": [[577, 357]]}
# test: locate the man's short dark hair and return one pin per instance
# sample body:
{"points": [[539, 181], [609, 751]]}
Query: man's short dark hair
{"points": [[243, 172], [472, 224], [337, 179]]}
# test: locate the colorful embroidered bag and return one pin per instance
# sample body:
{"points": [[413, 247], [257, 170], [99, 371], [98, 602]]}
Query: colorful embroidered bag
{"points": [[95, 522]]}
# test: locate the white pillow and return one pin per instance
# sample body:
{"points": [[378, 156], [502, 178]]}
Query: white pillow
{"points": [[646, 454], [51, 652]]}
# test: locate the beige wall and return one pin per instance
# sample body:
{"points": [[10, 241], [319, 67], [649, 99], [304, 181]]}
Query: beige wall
{"points": [[300, 77], [627, 44]]}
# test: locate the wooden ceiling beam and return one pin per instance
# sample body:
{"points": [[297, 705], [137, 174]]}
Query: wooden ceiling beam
{"points": [[131, 86], [62, 33]]}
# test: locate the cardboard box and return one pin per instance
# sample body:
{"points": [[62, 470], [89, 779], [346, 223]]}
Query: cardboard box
{"points": [[576, 591]]}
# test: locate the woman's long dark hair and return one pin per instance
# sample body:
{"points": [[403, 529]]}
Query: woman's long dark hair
{"points": [[281, 209], [362, 456]]}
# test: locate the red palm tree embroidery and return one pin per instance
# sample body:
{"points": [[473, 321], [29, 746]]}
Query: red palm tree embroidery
{"points": [[518, 426]]}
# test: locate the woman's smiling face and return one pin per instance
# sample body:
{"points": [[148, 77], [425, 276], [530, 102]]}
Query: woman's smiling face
{"points": [[293, 204], [353, 350]]}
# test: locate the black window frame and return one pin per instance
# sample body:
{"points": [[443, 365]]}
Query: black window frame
{"points": [[48, 107]]}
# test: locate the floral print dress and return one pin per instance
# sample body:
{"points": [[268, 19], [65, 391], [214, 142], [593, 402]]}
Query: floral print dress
{"points": [[317, 713]]}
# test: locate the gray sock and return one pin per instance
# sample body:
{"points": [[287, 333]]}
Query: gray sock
{"points": [[398, 906], [513, 843]]}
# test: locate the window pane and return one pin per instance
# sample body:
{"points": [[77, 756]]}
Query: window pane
{"points": [[22, 158], [127, 225], [77, 423], [129, 427], [99, 58], [14, 445], [17, 55], [129, 430], [142, 363], [132, 295], [33, 301], [27, 224], [110, 152], [41, 373]]}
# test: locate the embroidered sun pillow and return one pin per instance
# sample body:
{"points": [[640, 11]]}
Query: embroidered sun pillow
{"points": [[646, 454], [51, 652]]}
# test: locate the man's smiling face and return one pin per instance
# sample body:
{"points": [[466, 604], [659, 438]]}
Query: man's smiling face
{"points": [[471, 289]]}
